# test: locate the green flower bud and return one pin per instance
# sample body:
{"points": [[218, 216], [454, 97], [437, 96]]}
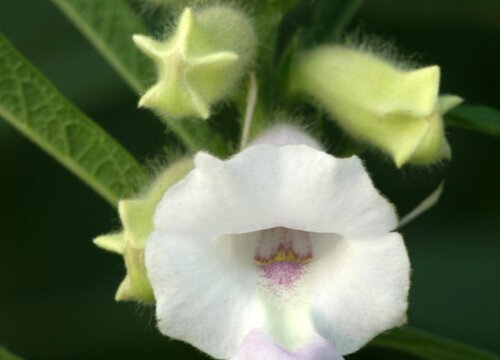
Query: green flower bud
{"points": [[394, 109], [136, 216], [201, 63]]}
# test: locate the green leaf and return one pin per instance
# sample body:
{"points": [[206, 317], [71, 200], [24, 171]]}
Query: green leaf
{"points": [[30, 103], [428, 346], [109, 25], [6, 355], [482, 119]]}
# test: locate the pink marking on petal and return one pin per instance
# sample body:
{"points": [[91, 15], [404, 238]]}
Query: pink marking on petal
{"points": [[282, 255], [282, 273]]}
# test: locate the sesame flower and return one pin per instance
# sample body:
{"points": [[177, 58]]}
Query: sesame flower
{"points": [[280, 252]]}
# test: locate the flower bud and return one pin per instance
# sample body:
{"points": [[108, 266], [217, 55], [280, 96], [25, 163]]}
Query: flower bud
{"points": [[136, 216], [375, 101], [200, 63]]}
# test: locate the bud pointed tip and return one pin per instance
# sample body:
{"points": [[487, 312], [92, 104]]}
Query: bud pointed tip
{"points": [[124, 292], [400, 160], [147, 100], [111, 242], [148, 46], [137, 38], [449, 102]]}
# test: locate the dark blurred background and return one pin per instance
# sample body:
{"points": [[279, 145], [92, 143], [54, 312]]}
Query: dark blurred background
{"points": [[57, 288]]}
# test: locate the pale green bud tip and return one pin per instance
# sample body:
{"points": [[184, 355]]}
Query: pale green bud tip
{"points": [[375, 101], [449, 102], [200, 63], [136, 216], [124, 292], [111, 242]]}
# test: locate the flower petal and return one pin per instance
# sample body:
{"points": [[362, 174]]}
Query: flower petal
{"points": [[201, 298], [266, 186], [287, 135], [360, 289]]}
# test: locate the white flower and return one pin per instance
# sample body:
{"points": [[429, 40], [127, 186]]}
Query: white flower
{"points": [[281, 252]]}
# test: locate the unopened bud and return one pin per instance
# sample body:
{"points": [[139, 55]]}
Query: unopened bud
{"points": [[200, 63], [136, 216], [374, 101]]}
